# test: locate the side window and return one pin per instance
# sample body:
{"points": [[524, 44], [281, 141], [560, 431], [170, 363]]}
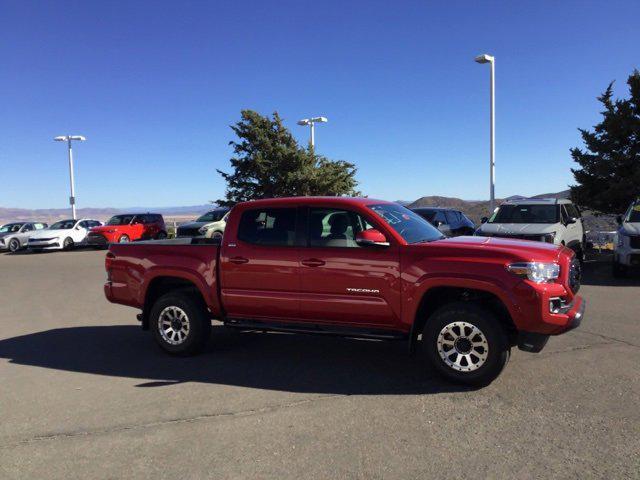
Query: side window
{"points": [[84, 224], [268, 226], [330, 227], [563, 213], [573, 211], [439, 217], [452, 218], [27, 227], [38, 226]]}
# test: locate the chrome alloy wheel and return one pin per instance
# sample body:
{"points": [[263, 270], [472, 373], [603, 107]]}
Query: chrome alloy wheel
{"points": [[463, 346], [173, 324]]}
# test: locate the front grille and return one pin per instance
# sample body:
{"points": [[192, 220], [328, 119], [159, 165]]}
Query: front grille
{"points": [[188, 232], [634, 241], [575, 275]]}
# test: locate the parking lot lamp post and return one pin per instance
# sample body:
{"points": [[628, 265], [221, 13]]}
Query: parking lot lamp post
{"points": [[69, 139], [311, 122], [492, 164]]}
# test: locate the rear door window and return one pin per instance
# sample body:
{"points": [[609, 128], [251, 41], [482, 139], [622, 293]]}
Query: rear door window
{"points": [[268, 226]]}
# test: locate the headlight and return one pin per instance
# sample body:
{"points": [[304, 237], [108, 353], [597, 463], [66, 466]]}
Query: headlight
{"points": [[202, 230], [535, 271]]}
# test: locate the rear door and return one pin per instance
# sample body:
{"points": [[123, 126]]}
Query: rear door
{"points": [[260, 265], [342, 282]]}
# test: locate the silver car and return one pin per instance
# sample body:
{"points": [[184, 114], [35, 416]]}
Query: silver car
{"points": [[14, 236]]}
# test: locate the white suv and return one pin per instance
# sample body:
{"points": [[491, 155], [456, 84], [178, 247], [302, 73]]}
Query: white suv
{"points": [[627, 242], [546, 220]]}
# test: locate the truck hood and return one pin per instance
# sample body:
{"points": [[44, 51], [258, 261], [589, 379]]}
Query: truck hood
{"points": [[517, 228], [194, 224], [631, 228], [522, 249]]}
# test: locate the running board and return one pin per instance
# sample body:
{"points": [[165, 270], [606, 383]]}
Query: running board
{"points": [[315, 329]]}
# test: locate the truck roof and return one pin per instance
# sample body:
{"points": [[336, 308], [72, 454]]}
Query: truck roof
{"points": [[316, 200]]}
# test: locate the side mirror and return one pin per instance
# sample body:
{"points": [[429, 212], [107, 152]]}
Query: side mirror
{"points": [[619, 219], [484, 219], [571, 220], [371, 237]]}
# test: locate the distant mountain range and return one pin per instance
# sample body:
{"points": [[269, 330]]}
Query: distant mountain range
{"points": [[474, 209]]}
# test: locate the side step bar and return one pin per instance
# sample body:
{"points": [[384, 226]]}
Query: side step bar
{"points": [[315, 329]]}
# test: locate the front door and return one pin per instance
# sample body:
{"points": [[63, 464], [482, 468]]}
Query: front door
{"points": [[342, 282], [259, 266]]}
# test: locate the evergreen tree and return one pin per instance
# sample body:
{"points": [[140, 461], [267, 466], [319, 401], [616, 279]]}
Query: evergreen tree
{"points": [[269, 163], [609, 175]]}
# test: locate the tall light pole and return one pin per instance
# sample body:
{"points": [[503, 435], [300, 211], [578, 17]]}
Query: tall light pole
{"points": [[311, 122], [69, 139], [492, 155]]}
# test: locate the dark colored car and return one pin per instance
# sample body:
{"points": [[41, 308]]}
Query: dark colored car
{"points": [[452, 223]]}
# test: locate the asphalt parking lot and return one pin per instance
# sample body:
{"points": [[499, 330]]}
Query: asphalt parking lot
{"points": [[86, 394]]}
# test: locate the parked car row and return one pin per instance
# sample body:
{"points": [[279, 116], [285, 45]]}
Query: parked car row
{"points": [[70, 233]]}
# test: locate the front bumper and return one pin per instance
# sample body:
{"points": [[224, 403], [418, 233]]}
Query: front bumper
{"points": [[628, 257], [52, 244], [97, 239], [534, 342]]}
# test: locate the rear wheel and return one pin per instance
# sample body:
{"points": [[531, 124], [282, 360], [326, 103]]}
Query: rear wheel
{"points": [[14, 245], [180, 323], [67, 244], [465, 344]]}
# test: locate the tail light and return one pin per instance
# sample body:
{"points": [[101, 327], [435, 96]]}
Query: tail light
{"points": [[108, 260]]}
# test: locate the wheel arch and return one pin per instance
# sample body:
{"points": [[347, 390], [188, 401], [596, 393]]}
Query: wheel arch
{"points": [[163, 284], [437, 296]]}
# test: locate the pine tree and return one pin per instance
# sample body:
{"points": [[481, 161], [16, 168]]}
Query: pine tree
{"points": [[269, 163], [609, 175]]}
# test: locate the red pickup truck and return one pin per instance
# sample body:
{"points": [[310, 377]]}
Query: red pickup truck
{"points": [[353, 267]]}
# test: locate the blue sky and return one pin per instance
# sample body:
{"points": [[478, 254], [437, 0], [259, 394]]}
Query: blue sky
{"points": [[155, 85]]}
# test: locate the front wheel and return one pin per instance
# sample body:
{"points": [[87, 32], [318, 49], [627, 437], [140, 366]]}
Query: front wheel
{"points": [[123, 239], [14, 245], [67, 244], [465, 344], [180, 323]]}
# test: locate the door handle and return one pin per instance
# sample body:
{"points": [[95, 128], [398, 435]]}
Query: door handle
{"points": [[239, 260], [313, 262]]}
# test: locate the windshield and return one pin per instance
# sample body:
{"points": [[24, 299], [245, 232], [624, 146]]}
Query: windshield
{"points": [[526, 214], [411, 226], [63, 225], [11, 227], [634, 214], [120, 220], [213, 216]]}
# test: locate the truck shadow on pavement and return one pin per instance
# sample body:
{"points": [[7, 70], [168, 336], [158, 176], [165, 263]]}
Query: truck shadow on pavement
{"points": [[283, 362]]}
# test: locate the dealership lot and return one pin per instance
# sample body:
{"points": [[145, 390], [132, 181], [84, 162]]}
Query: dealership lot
{"points": [[86, 394]]}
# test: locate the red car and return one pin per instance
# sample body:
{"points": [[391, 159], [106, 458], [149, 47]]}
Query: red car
{"points": [[354, 267], [127, 228]]}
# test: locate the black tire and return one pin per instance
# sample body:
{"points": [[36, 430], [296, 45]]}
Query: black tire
{"points": [[161, 235], [67, 244], [14, 245], [618, 270], [199, 324], [492, 335]]}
